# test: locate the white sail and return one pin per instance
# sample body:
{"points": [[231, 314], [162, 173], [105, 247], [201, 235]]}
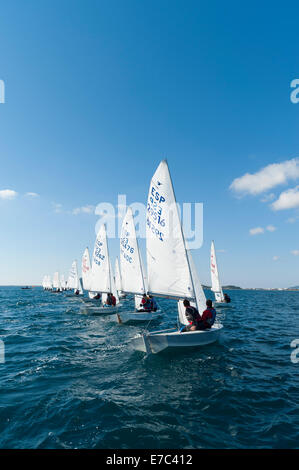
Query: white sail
{"points": [[113, 289], [73, 276], [56, 280], [62, 281], [100, 277], [216, 286], [167, 263], [86, 269], [200, 298], [199, 293], [118, 278], [130, 260]]}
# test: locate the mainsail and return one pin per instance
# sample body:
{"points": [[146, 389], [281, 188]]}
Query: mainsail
{"points": [[86, 269], [56, 280], [167, 262], [118, 277], [216, 286], [100, 272], [132, 275]]}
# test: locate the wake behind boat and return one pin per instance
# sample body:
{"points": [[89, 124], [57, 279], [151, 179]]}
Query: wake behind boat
{"points": [[171, 271]]}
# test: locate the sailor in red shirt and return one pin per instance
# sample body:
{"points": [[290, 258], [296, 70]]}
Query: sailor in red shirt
{"points": [[207, 317]]}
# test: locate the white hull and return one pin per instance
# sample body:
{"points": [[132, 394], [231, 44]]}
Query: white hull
{"points": [[125, 317], [99, 309], [154, 342]]}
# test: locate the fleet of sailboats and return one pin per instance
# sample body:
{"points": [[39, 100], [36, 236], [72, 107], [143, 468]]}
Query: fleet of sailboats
{"points": [[171, 273]]}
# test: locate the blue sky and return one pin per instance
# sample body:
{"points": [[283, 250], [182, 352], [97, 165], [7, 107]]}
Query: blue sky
{"points": [[98, 92]]}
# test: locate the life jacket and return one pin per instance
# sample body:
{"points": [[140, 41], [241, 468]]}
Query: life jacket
{"points": [[211, 321], [146, 303], [113, 299]]}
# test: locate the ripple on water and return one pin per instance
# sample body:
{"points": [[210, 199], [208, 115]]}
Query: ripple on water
{"points": [[72, 381]]}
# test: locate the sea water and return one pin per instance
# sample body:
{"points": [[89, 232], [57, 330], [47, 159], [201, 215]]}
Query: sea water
{"points": [[71, 380]]}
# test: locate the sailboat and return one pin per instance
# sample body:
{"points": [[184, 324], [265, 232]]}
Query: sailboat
{"points": [[102, 278], [132, 271], [56, 283], [74, 281], [171, 271], [216, 286], [118, 280], [86, 269]]}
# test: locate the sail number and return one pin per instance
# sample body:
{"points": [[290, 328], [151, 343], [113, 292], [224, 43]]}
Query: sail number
{"points": [[126, 248], [98, 256], [154, 230]]}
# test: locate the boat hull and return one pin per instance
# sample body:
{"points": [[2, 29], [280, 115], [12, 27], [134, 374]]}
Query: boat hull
{"points": [[98, 309], [157, 341], [125, 317], [222, 304]]}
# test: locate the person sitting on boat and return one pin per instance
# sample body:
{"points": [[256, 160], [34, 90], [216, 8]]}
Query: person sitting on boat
{"points": [[108, 300], [145, 303], [77, 292], [97, 297], [153, 303], [227, 298], [113, 300], [208, 317], [192, 316]]}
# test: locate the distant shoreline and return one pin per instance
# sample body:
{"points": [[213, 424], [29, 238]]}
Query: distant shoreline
{"points": [[267, 289]]}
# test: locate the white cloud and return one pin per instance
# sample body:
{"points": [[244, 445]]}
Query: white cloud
{"points": [[32, 195], [275, 258], [271, 228], [256, 231], [89, 209], [8, 194], [288, 199], [295, 252], [266, 178]]}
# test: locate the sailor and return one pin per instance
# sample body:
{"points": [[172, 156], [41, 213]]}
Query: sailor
{"points": [[113, 300], [145, 303], [227, 298], [97, 297], [208, 317], [77, 292], [109, 300], [192, 316], [153, 303]]}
